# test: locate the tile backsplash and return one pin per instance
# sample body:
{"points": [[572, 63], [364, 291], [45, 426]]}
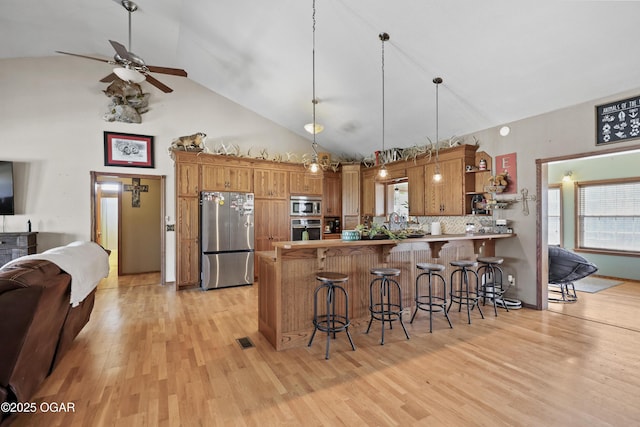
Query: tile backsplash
{"points": [[448, 224]]}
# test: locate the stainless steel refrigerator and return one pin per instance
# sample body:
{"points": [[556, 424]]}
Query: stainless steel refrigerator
{"points": [[226, 239]]}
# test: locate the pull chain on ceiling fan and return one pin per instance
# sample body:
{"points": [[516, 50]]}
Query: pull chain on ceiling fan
{"points": [[130, 67]]}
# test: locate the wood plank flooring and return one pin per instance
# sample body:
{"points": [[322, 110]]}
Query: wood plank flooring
{"points": [[151, 356]]}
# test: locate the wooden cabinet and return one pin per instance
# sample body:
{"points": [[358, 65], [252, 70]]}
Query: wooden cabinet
{"points": [[222, 178], [332, 194], [448, 196], [15, 245], [305, 183], [350, 196], [271, 183], [417, 190], [271, 223], [373, 194], [187, 176], [187, 243]]}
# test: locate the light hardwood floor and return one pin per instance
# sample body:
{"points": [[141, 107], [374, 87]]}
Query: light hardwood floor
{"points": [[151, 356]]}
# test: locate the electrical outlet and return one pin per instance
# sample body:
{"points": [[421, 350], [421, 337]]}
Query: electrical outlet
{"points": [[512, 280]]}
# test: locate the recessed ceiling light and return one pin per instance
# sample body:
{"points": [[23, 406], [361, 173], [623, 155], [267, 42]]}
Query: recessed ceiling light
{"points": [[504, 130]]}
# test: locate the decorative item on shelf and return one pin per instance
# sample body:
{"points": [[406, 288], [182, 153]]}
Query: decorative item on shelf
{"points": [[193, 142], [497, 183], [482, 165], [350, 235]]}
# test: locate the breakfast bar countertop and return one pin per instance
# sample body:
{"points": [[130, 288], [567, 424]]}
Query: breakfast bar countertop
{"points": [[287, 275], [374, 242]]}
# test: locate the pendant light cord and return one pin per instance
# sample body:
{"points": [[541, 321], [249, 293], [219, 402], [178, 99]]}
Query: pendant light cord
{"points": [[313, 77], [383, 37]]}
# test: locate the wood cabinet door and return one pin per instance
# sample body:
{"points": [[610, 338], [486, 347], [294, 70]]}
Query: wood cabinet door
{"points": [[239, 179], [351, 190], [187, 179], [271, 183], [417, 189], [188, 252], [214, 178], [452, 192], [368, 186], [305, 184], [447, 196], [271, 221], [332, 195]]}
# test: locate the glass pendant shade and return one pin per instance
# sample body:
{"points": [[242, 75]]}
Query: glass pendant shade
{"points": [[129, 75]]}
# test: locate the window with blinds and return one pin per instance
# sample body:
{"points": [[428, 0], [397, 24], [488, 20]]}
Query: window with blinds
{"points": [[609, 215], [554, 216]]}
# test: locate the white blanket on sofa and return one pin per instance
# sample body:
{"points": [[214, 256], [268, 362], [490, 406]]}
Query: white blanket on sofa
{"points": [[86, 262]]}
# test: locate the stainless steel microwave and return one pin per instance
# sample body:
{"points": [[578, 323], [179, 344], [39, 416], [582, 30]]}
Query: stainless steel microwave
{"points": [[306, 206]]}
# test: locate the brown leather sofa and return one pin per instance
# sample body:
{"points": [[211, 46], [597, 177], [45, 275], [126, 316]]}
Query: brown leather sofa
{"points": [[37, 326]]}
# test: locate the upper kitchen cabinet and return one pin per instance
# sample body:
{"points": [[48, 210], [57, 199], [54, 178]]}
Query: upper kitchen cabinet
{"points": [[447, 196], [417, 189], [305, 183], [271, 183], [226, 178], [187, 176], [372, 194], [332, 194], [350, 196]]}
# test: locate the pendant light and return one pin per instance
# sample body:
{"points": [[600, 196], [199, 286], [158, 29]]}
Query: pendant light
{"points": [[437, 176], [382, 173], [314, 167]]}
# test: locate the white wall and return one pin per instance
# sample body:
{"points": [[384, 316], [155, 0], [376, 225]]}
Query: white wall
{"points": [[51, 125]]}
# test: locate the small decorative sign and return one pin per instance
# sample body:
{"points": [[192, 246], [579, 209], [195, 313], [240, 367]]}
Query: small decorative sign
{"points": [[507, 164], [618, 121], [125, 149]]}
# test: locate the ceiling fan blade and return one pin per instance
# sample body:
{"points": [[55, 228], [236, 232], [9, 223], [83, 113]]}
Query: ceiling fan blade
{"points": [[167, 70], [120, 50], [111, 77], [84, 56], [158, 84]]}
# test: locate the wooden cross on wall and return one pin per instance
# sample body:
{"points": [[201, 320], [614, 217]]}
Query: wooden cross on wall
{"points": [[136, 189]]}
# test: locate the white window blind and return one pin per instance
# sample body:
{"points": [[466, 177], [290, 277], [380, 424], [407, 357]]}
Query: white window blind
{"points": [[554, 216], [609, 216]]}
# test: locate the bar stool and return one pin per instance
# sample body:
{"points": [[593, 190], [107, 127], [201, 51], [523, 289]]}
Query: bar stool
{"points": [[490, 275], [331, 322], [430, 302], [463, 295], [385, 299]]}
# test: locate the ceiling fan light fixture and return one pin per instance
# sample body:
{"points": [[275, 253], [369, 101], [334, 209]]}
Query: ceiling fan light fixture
{"points": [[129, 75], [310, 127]]}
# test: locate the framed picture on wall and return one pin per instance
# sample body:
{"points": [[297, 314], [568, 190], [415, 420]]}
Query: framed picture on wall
{"points": [[126, 149], [618, 121]]}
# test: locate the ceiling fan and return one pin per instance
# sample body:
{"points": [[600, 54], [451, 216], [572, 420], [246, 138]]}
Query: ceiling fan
{"points": [[130, 67]]}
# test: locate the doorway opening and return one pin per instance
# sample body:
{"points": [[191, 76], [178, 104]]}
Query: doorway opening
{"points": [[542, 243], [128, 218]]}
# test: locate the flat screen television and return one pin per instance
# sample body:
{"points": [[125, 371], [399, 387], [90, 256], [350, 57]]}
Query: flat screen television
{"points": [[6, 188]]}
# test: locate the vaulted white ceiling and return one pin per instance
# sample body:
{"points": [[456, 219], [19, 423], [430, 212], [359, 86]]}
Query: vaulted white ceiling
{"points": [[501, 60]]}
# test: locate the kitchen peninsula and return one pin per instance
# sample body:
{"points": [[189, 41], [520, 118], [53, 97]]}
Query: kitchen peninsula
{"points": [[287, 276]]}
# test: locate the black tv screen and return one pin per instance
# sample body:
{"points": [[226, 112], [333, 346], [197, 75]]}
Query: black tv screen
{"points": [[6, 188]]}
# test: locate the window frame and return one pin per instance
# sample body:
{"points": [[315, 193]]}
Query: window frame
{"points": [[578, 217]]}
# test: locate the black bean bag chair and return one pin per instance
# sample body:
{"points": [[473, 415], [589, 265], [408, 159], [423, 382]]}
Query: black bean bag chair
{"points": [[565, 267]]}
